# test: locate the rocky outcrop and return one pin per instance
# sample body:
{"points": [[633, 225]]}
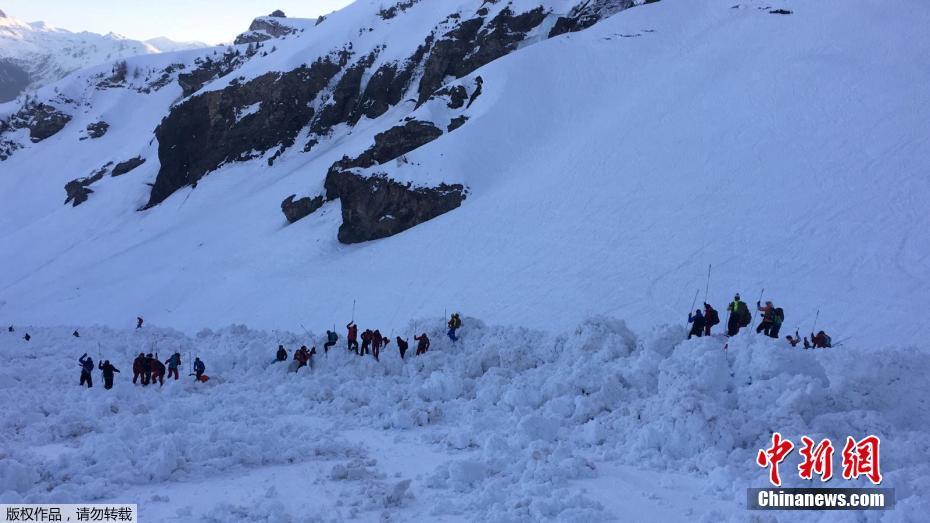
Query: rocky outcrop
{"points": [[588, 13], [265, 28], [97, 129], [42, 120], [298, 209], [130, 164], [474, 43], [79, 190], [209, 69], [377, 207], [205, 131], [391, 12], [389, 145]]}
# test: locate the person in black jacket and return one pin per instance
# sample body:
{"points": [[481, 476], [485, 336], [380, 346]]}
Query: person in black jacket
{"points": [[199, 369], [423, 343], [402, 346], [281, 354], [697, 322], [158, 371], [147, 369], [87, 367], [108, 371]]}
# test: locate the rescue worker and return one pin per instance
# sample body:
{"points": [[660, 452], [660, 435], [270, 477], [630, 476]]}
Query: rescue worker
{"points": [[366, 342], [768, 317], [778, 317], [711, 318], [139, 322], [331, 339], [108, 371], [376, 341], [423, 343], [352, 336], [173, 363], [739, 316], [402, 346], [697, 322], [87, 367], [454, 323], [147, 369], [199, 369], [821, 340], [158, 371], [137, 368], [281, 354]]}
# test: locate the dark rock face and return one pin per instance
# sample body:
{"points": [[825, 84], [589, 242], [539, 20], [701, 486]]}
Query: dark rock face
{"points": [[265, 28], [377, 207], [457, 122], [46, 121], [130, 164], [79, 190], [473, 44], [208, 69], [204, 132], [41, 119], [391, 12], [97, 129], [389, 145], [588, 13], [13, 80], [780, 12], [297, 209]]}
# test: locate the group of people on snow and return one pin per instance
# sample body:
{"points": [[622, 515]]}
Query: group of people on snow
{"points": [[146, 369], [740, 317]]}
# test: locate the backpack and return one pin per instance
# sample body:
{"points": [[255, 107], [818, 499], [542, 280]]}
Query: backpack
{"points": [[779, 316], [828, 341], [743, 314], [712, 317], [333, 336]]}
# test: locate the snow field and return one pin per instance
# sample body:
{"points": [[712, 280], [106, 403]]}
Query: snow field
{"points": [[508, 425]]}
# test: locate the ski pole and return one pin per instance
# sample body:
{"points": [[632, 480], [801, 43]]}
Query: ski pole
{"points": [[707, 287], [353, 311], [694, 301], [817, 317]]}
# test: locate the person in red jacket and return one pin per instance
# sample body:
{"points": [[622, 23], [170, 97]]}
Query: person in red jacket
{"points": [[352, 336], [366, 342], [137, 368], [376, 340], [711, 318]]}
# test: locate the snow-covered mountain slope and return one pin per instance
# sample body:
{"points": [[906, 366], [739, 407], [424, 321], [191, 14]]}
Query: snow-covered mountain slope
{"points": [[166, 45], [597, 171], [510, 424], [41, 54]]}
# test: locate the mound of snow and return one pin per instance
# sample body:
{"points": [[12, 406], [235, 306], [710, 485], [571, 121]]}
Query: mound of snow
{"points": [[507, 424]]}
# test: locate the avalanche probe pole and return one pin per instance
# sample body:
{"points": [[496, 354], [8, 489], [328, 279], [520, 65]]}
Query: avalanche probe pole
{"points": [[694, 301], [353, 311], [707, 287], [754, 316], [817, 317]]}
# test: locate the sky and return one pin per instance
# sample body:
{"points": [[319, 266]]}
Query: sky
{"points": [[210, 21]]}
